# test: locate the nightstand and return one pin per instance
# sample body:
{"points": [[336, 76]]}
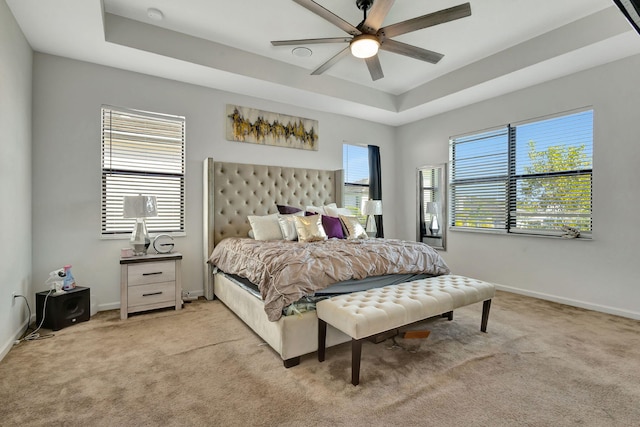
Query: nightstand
{"points": [[150, 281]]}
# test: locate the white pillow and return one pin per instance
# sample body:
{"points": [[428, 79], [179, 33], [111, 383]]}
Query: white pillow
{"points": [[336, 212], [321, 209], [310, 228], [288, 225], [265, 227]]}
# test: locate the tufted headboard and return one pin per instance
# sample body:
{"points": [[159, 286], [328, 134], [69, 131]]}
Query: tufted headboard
{"points": [[234, 190]]}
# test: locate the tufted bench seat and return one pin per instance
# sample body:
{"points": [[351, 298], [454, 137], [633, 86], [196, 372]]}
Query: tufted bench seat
{"points": [[365, 314]]}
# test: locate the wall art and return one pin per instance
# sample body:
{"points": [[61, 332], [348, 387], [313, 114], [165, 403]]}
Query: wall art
{"points": [[262, 127]]}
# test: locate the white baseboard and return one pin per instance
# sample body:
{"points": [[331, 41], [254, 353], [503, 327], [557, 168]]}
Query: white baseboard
{"points": [[6, 347], [109, 306], [572, 302]]}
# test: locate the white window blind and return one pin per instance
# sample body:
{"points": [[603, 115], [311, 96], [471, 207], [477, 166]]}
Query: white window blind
{"points": [[355, 163], [533, 177], [142, 153]]}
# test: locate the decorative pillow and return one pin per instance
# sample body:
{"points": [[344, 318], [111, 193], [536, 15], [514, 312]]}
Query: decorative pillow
{"points": [[332, 226], [288, 225], [265, 227], [312, 210], [310, 228], [250, 234], [285, 210], [336, 212], [355, 230], [321, 209]]}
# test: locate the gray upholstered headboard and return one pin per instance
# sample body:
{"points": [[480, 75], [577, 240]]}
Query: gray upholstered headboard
{"points": [[234, 190]]}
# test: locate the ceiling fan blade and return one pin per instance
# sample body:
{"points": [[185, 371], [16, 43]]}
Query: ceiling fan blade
{"points": [[310, 41], [375, 69], [330, 63], [329, 16], [411, 51], [425, 21], [376, 15]]}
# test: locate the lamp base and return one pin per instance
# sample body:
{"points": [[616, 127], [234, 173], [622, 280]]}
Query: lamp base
{"points": [[434, 227], [371, 228], [140, 238]]}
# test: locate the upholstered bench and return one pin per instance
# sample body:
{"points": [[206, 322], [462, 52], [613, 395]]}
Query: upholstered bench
{"points": [[363, 315]]}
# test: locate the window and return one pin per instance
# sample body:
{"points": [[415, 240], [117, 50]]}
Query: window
{"points": [[533, 178], [355, 162], [142, 153]]}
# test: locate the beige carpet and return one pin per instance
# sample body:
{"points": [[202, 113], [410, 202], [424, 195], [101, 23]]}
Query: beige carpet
{"points": [[540, 364]]}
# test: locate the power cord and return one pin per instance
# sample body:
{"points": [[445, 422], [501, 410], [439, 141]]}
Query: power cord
{"points": [[34, 335]]}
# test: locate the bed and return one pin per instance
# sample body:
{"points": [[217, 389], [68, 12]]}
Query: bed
{"points": [[232, 192]]}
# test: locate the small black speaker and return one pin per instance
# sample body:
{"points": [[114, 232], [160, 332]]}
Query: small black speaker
{"points": [[63, 310]]}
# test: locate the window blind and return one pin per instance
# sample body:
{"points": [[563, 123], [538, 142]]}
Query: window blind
{"points": [[142, 153], [551, 184], [479, 177], [533, 177]]}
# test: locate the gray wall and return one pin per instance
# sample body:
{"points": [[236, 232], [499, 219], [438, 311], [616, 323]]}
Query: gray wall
{"points": [[15, 177], [68, 95], [599, 274]]}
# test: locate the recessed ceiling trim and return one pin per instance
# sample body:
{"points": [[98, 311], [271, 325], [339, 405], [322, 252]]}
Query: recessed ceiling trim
{"points": [[151, 38]]}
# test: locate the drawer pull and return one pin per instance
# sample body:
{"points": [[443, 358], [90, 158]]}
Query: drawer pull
{"points": [[152, 293], [151, 274]]}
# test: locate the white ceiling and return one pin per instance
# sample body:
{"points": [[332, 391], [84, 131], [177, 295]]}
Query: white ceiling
{"points": [[503, 46]]}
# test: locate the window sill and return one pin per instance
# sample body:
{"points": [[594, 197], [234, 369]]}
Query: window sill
{"points": [[587, 238], [128, 235]]}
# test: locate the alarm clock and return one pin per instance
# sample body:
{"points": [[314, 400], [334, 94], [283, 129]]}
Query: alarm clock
{"points": [[163, 243]]}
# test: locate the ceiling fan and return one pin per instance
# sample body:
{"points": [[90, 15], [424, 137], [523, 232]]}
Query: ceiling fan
{"points": [[367, 37]]}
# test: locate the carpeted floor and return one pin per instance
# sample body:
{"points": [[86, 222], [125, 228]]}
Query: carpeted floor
{"points": [[540, 364]]}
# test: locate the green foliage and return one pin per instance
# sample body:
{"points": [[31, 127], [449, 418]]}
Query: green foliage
{"points": [[548, 202]]}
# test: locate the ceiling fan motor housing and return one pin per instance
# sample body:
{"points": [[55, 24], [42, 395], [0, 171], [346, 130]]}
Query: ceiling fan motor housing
{"points": [[364, 4]]}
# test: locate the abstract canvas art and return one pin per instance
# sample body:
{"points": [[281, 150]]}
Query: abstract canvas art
{"points": [[262, 127]]}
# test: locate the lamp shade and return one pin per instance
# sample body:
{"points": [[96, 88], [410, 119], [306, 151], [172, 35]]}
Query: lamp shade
{"points": [[372, 207], [432, 207], [364, 46], [140, 206]]}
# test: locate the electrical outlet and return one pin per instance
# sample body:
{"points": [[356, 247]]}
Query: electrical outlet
{"points": [[189, 296], [14, 295]]}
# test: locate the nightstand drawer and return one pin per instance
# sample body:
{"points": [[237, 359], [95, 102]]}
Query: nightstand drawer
{"points": [[154, 293], [152, 272]]}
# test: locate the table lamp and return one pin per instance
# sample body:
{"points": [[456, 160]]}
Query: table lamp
{"points": [[370, 208], [140, 207]]}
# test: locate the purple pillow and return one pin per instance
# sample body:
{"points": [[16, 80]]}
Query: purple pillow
{"points": [[286, 210], [332, 226]]}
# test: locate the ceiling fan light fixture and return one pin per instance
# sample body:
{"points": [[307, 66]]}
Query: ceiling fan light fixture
{"points": [[364, 46]]}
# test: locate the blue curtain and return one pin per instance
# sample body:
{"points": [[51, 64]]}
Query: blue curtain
{"points": [[375, 183]]}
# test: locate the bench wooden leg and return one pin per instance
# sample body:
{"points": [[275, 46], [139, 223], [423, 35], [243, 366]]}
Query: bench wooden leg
{"points": [[448, 315], [486, 306], [356, 352], [322, 339]]}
